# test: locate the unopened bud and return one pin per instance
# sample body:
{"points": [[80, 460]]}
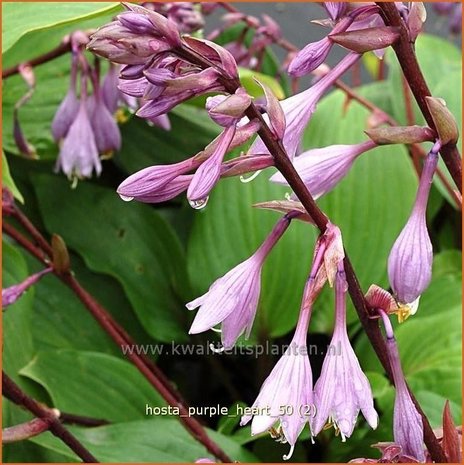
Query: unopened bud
{"points": [[401, 135], [61, 262], [286, 206], [445, 123], [365, 40], [416, 19]]}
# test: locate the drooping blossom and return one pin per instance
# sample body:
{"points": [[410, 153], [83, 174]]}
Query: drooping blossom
{"points": [[11, 294], [322, 169], [411, 257], [286, 395], [408, 430], [299, 108], [106, 131], [342, 389], [69, 107], [232, 300], [78, 156], [227, 112]]}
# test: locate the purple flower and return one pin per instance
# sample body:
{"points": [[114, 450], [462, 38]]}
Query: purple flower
{"points": [[287, 395], [299, 108], [69, 107], [11, 294], [109, 89], [228, 110], [407, 423], [410, 260], [232, 300], [105, 128], [310, 57], [147, 182], [209, 172], [335, 9], [322, 169], [78, 155], [342, 389]]}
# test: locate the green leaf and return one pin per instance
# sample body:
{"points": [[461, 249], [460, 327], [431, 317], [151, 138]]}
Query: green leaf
{"points": [[155, 441], [231, 229], [130, 242], [447, 262], [7, 180], [92, 384], [19, 18]]}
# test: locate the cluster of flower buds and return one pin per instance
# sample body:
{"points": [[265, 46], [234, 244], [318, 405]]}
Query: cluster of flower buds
{"points": [[84, 124], [453, 12], [187, 16], [265, 32]]}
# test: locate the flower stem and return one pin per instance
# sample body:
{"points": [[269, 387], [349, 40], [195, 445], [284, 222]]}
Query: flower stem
{"points": [[408, 61], [13, 392]]}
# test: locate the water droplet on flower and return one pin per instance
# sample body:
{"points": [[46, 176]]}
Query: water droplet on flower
{"points": [[199, 204], [126, 198], [216, 351], [250, 178]]}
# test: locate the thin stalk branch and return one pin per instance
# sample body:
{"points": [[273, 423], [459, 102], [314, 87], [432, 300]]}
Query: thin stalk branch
{"points": [[70, 418], [408, 61], [13, 392], [148, 369], [63, 48]]}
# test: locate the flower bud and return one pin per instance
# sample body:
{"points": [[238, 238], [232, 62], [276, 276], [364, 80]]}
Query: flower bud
{"points": [[227, 111], [445, 123], [365, 40], [61, 262], [401, 135]]}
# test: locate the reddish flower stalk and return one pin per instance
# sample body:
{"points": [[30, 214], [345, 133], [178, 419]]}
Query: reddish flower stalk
{"points": [[148, 369], [408, 61]]}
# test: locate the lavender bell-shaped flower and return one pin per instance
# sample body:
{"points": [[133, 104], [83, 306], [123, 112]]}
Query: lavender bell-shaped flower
{"points": [[287, 395], [411, 257], [342, 389], [78, 155], [67, 111], [11, 294], [232, 300], [322, 169], [408, 430], [145, 183], [105, 128], [299, 108], [226, 111]]}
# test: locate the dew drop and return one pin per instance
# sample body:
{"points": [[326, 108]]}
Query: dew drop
{"points": [[250, 178], [126, 198], [199, 204], [216, 351]]}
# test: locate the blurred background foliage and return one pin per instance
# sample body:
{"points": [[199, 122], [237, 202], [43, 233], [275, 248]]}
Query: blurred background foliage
{"points": [[144, 262]]}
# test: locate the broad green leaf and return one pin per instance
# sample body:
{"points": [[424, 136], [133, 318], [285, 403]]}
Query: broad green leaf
{"points": [[231, 229], [7, 180], [93, 384], [155, 441], [19, 18], [130, 242], [447, 262]]}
